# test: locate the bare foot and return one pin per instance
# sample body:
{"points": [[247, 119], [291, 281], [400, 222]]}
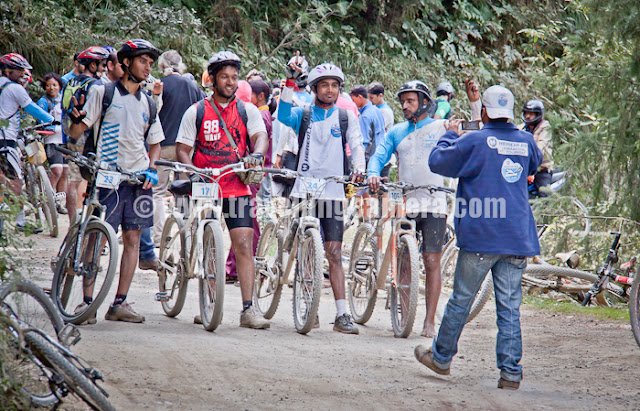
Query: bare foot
{"points": [[429, 331]]}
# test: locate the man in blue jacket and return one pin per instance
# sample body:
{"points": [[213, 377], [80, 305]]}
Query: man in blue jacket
{"points": [[494, 227]]}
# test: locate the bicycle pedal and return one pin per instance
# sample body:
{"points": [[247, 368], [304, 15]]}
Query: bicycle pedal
{"points": [[162, 296]]}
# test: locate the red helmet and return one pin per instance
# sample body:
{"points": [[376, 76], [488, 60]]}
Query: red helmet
{"points": [[14, 61], [91, 54]]}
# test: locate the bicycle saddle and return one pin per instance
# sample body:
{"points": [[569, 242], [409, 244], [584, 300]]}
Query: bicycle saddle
{"points": [[557, 176], [180, 187], [572, 259]]}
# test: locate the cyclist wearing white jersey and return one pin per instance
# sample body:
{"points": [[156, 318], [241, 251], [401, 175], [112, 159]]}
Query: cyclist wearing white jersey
{"points": [[413, 141], [14, 97], [322, 154]]}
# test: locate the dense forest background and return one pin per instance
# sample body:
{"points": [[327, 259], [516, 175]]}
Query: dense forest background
{"points": [[581, 57]]}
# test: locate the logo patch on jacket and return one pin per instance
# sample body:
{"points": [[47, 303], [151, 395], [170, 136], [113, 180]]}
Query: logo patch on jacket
{"points": [[335, 131], [511, 171]]}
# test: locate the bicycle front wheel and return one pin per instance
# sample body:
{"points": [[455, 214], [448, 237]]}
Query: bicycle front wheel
{"points": [[96, 268], [211, 284], [403, 299], [268, 288], [172, 277], [30, 305], [634, 307], [76, 379], [361, 276], [49, 202], [308, 280]]}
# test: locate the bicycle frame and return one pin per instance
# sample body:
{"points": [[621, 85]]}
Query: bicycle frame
{"points": [[398, 221]]}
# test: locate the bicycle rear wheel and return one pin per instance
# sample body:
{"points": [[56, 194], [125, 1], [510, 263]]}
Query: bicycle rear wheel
{"points": [[403, 299], [307, 285], [361, 275], [448, 266], [267, 289], [48, 204], [172, 277], [634, 307], [29, 304], [98, 260], [76, 379], [211, 285]]}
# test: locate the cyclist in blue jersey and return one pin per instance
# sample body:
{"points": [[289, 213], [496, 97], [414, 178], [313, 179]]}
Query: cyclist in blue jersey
{"points": [[413, 141], [14, 97]]}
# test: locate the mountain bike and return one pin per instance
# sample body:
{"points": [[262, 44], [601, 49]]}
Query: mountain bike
{"points": [[40, 194], [50, 370], [192, 243], [293, 240], [634, 307], [88, 256], [397, 269], [608, 272]]}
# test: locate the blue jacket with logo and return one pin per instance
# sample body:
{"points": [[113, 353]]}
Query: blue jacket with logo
{"points": [[493, 215]]}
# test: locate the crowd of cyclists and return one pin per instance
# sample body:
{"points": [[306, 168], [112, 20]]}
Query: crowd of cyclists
{"points": [[111, 106]]}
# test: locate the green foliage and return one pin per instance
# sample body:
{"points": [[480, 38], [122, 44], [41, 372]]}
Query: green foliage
{"points": [[570, 307], [581, 57]]}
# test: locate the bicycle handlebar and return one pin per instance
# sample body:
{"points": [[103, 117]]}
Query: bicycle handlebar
{"points": [[407, 187], [38, 127], [79, 159]]}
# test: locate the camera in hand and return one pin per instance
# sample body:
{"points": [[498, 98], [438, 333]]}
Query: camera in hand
{"points": [[470, 125]]}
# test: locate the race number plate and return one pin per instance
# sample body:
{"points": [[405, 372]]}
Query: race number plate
{"points": [[204, 191], [108, 179], [395, 197], [311, 185]]}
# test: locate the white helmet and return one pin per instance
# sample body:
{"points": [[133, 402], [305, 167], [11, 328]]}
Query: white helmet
{"points": [[325, 71], [444, 87]]}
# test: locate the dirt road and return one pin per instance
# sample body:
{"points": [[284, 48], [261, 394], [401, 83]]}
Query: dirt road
{"points": [[173, 364]]}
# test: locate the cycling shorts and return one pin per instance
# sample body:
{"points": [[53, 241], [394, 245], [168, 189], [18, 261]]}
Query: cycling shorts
{"points": [[331, 216], [238, 212], [10, 159], [433, 228]]}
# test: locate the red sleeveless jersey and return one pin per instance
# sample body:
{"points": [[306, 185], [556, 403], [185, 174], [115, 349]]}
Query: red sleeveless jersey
{"points": [[213, 149]]}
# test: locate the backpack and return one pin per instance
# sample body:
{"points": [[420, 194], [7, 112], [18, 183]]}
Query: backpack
{"points": [[5, 122], [76, 87], [290, 161], [242, 111], [91, 143]]}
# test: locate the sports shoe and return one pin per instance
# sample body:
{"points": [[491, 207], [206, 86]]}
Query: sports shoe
{"points": [[82, 307], [344, 324], [149, 265], [61, 209], [317, 323], [197, 319], [425, 356], [123, 312], [251, 319], [508, 385], [29, 228]]}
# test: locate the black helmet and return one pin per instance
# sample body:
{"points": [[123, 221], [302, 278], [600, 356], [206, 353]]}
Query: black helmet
{"points": [[302, 80], [533, 106], [220, 60], [419, 87], [14, 61], [137, 47]]}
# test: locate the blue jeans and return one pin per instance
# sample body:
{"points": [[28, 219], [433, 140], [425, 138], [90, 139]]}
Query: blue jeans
{"points": [[471, 269], [147, 252]]}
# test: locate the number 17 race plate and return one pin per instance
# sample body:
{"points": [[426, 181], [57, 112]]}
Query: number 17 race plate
{"points": [[204, 191]]}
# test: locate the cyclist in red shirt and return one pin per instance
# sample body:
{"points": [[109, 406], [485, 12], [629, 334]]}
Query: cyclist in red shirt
{"points": [[211, 148]]}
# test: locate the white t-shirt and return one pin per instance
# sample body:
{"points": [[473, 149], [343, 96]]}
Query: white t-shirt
{"points": [[121, 139], [387, 114], [188, 131], [13, 97]]}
